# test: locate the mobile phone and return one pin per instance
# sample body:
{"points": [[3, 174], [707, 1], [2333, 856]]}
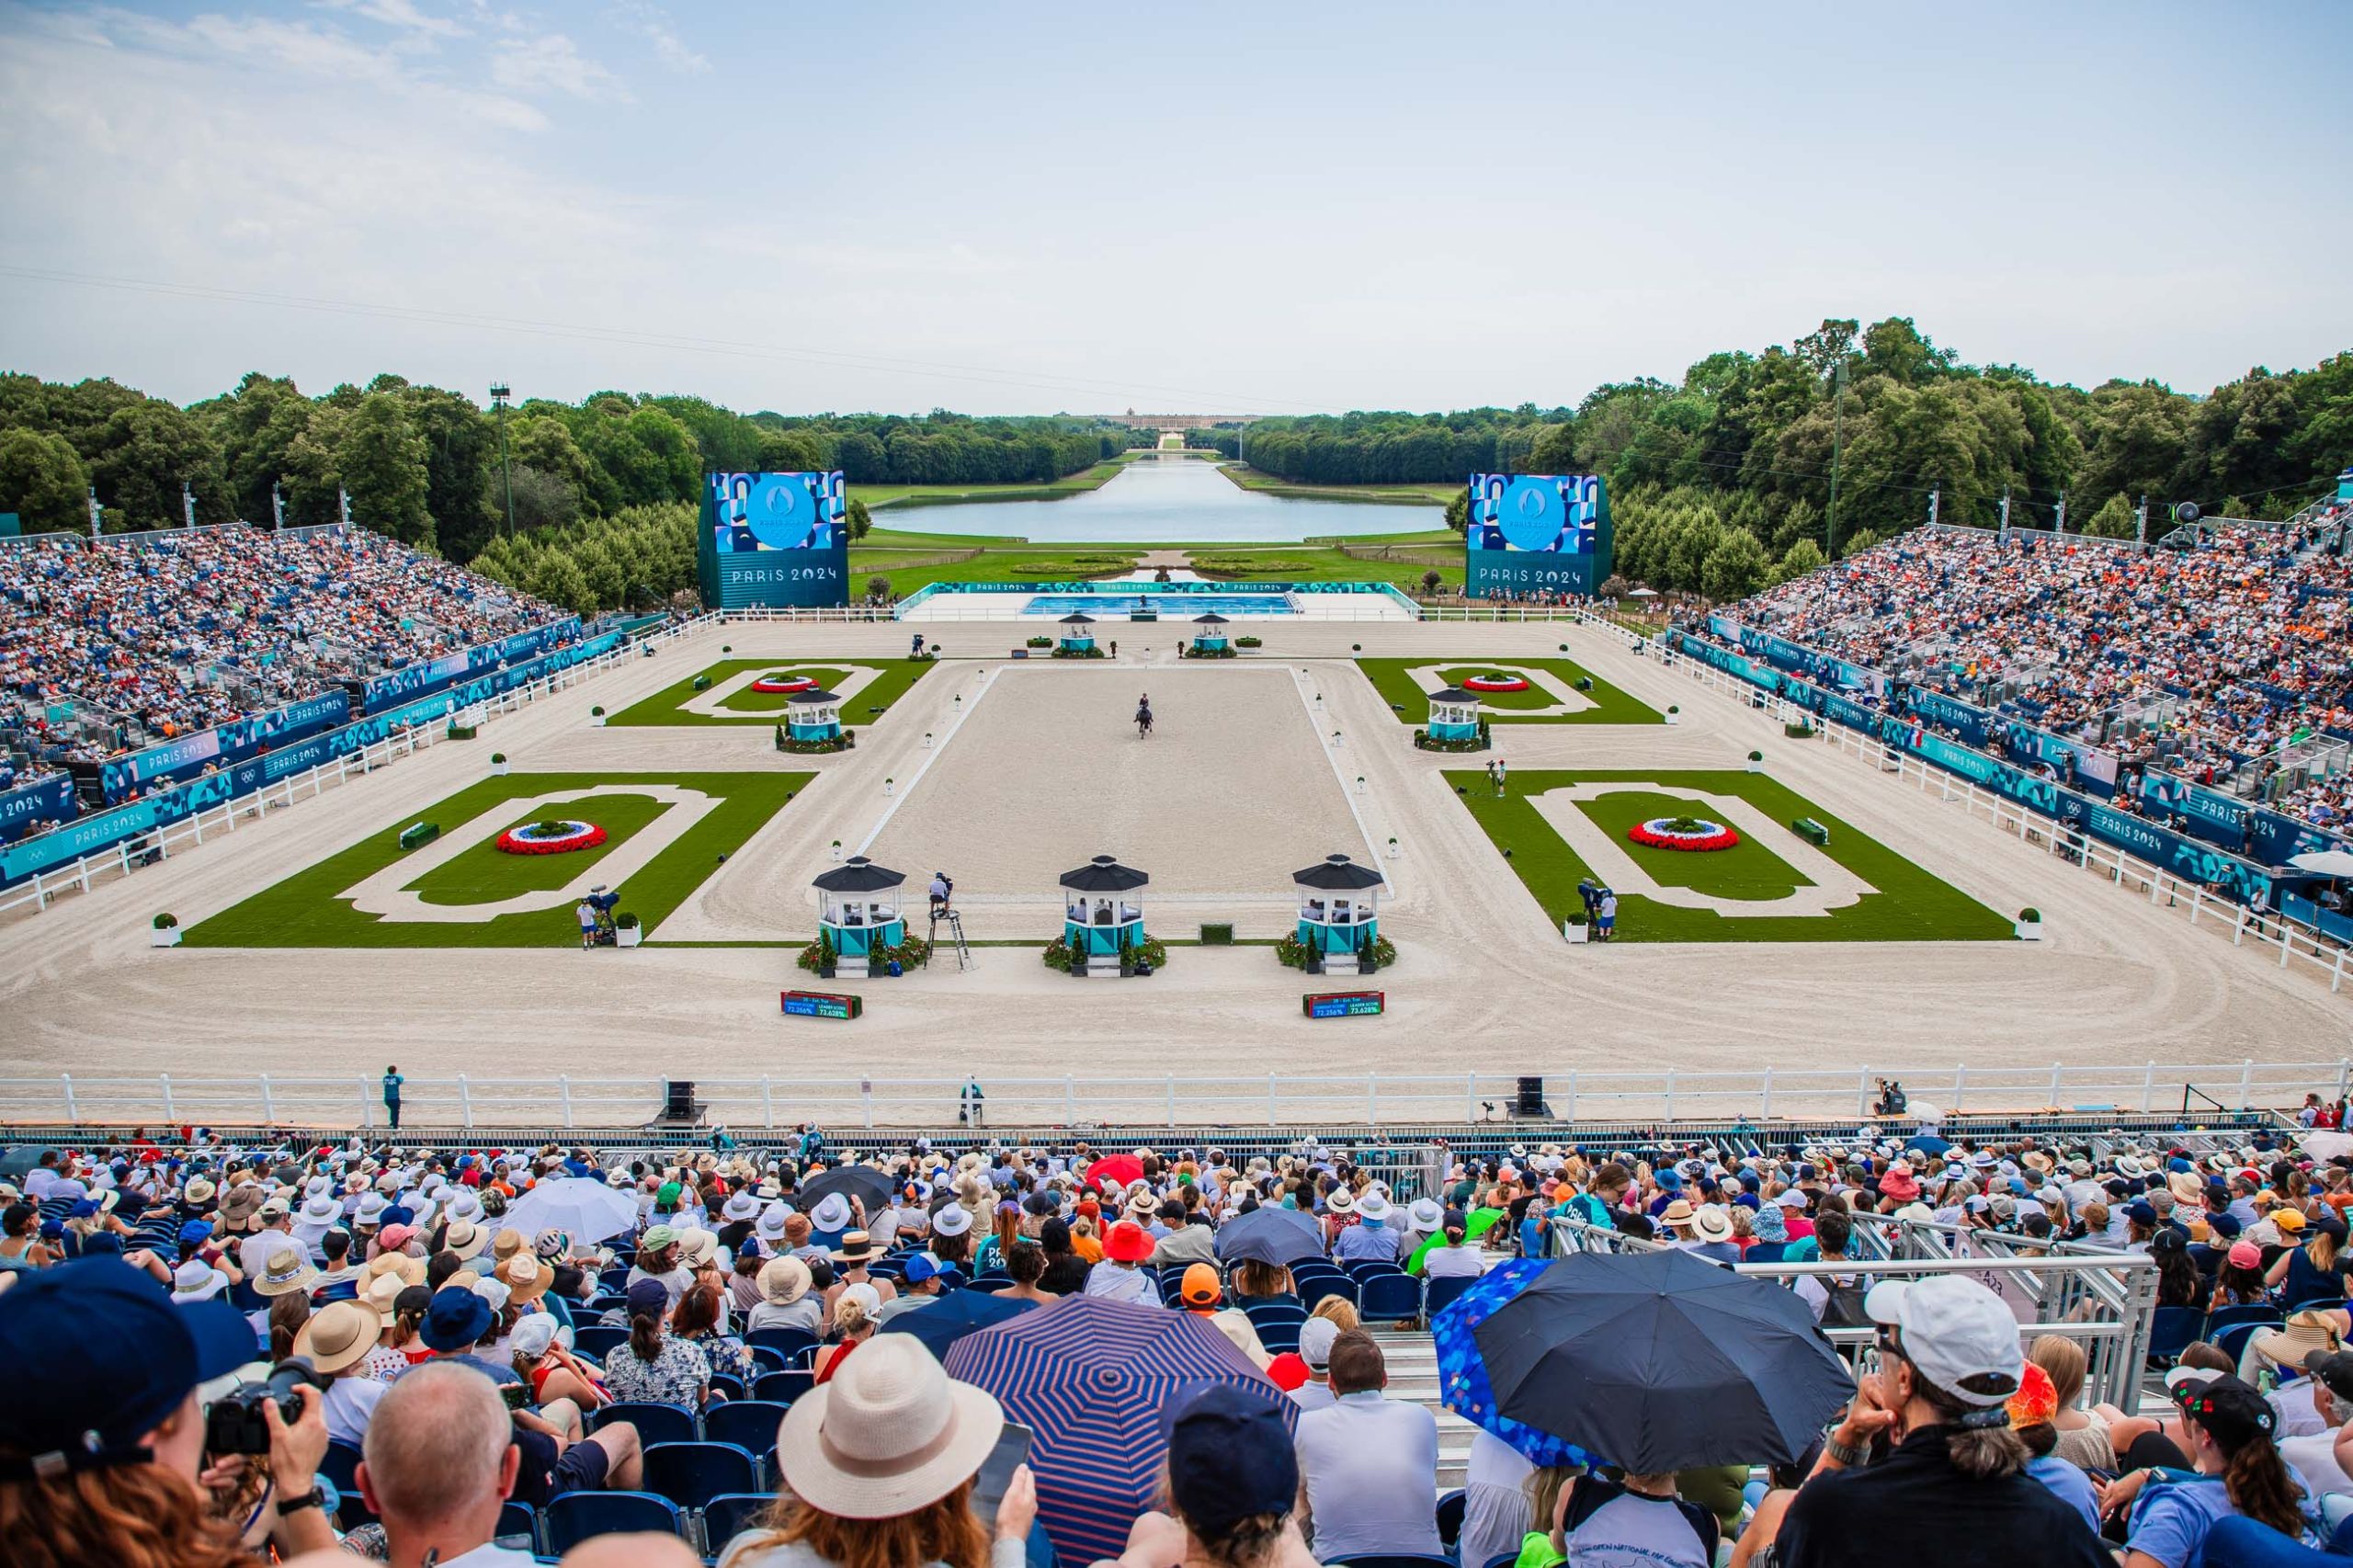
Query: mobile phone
{"points": [[517, 1396], [1011, 1452]]}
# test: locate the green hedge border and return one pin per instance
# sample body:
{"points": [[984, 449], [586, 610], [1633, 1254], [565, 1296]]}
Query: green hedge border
{"points": [[1411, 703], [666, 707]]}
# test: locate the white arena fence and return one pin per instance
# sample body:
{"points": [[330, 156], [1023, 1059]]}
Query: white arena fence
{"points": [[2297, 945], [1738, 1100]]}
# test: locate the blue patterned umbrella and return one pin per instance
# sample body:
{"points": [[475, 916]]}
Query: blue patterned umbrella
{"points": [[1088, 1377], [1462, 1371], [954, 1316]]}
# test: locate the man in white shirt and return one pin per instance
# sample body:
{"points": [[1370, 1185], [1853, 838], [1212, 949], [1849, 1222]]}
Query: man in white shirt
{"points": [[2315, 1458], [1315, 1338], [277, 1231], [1368, 1464]]}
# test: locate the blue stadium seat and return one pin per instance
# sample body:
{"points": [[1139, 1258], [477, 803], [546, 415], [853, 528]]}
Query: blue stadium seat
{"points": [[728, 1515], [691, 1474], [2230, 1317], [597, 1340], [574, 1516], [765, 1360], [654, 1423], [2232, 1341], [341, 1465], [723, 1387], [783, 1388], [2173, 1330], [518, 1523], [748, 1423], [1395, 1295], [786, 1341], [1314, 1290], [1444, 1289], [1279, 1337], [1451, 1506], [1363, 1268], [991, 1281]]}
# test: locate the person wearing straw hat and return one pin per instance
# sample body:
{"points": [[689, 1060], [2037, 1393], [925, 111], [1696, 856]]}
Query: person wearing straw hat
{"points": [[337, 1341], [785, 1301], [879, 1467]]}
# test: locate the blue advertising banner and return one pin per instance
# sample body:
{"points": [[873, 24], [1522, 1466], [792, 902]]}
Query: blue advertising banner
{"points": [[1533, 532], [2275, 839], [191, 754], [48, 799], [2211, 816], [1942, 709], [64, 845], [780, 541], [431, 675]]}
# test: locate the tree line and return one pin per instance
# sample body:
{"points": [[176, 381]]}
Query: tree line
{"points": [[424, 464], [1749, 442]]}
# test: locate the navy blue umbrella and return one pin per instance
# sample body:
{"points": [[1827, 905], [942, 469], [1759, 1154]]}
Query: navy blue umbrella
{"points": [[1663, 1361], [954, 1316], [1927, 1142], [1280, 1236]]}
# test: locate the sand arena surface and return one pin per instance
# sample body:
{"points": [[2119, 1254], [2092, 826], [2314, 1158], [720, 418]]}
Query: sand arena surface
{"points": [[1483, 983]]}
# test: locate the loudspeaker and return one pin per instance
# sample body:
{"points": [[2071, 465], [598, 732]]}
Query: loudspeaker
{"points": [[1531, 1097], [678, 1103]]}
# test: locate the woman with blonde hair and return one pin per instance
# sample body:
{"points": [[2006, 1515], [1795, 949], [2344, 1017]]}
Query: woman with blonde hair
{"points": [[856, 1313], [2083, 1435], [1340, 1309], [883, 1476]]}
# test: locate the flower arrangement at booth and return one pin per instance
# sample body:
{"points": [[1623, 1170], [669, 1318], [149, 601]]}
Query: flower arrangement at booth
{"points": [[1682, 832], [818, 957], [551, 836]]}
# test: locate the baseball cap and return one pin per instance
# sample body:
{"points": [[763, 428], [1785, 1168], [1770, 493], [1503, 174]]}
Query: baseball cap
{"points": [[1956, 1333], [2334, 1370], [1230, 1457], [1199, 1287], [97, 1356], [920, 1268], [1315, 1337], [2229, 1409]]}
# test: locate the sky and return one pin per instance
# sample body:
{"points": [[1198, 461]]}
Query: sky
{"points": [[1258, 208]]}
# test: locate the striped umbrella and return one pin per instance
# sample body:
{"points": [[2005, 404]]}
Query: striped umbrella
{"points": [[1089, 1378], [1462, 1381]]}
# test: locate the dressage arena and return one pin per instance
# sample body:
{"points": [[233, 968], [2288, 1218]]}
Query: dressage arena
{"points": [[331, 952]]}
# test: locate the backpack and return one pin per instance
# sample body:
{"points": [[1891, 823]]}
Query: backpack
{"points": [[1844, 1308]]}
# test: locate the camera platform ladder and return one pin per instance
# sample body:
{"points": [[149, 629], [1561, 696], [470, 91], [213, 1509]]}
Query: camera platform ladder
{"points": [[955, 930]]}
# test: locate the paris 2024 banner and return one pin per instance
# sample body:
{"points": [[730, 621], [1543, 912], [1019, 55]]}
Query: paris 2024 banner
{"points": [[777, 540], [1533, 533]]}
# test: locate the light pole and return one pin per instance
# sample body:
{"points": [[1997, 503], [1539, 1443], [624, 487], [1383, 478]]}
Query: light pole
{"points": [[499, 393], [1837, 451]]}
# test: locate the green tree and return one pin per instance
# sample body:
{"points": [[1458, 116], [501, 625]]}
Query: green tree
{"points": [[43, 482], [1457, 511], [146, 451], [1801, 558], [2113, 520], [858, 517], [379, 458], [1734, 569]]}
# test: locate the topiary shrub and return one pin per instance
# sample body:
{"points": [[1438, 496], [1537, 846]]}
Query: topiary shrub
{"points": [[166, 922], [1057, 955], [818, 956], [624, 922], [1040, 642], [1248, 642], [2031, 916], [1216, 936]]}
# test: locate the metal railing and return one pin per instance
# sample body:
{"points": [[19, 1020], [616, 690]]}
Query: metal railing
{"points": [[2104, 1301], [1742, 1103], [2297, 945]]}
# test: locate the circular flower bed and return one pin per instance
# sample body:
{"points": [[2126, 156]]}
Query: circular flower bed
{"points": [[1494, 682], [780, 685], [1682, 832], [551, 837]]}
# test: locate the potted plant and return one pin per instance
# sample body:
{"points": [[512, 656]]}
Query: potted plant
{"points": [[498, 764], [1756, 762], [1800, 731], [828, 960], [1575, 930], [2029, 925], [596, 716], [837, 848], [626, 931], [727, 647], [1360, 783], [1674, 713], [165, 932], [926, 740], [1392, 848], [890, 786], [779, 738]]}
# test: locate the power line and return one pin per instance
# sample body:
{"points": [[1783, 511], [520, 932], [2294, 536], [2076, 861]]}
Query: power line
{"points": [[833, 358]]}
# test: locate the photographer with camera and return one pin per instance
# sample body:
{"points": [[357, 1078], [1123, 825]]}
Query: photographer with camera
{"points": [[102, 1441]]}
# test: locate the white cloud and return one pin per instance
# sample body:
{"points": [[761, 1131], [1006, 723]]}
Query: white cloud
{"points": [[553, 61], [654, 23], [404, 15]]}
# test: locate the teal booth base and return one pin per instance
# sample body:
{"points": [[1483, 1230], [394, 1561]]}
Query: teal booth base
{"points": [[1209, 645], [856, 944], [826, 732], [1100, 944], [1318, 936], [1439, 732], [1075, 645]]}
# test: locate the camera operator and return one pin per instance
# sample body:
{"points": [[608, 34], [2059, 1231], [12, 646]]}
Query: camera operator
{"points": [[102, 1440]]}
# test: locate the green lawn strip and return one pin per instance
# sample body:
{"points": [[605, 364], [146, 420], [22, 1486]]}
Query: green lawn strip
{"points": [[1393, 681], [487, 874], [666, 707], [1010, 564], [1747, 871], [307, 910], [1409, 494], [743, 699], [902, 497], [1316, 564], [1908, 905]]}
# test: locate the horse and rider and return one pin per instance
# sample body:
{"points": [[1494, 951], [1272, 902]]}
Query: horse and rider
{"points": [[1143, 717]]}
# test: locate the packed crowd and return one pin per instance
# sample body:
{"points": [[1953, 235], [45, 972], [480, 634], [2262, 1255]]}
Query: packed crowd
{"points": [[2242, 644], [192, 1332], [180, 631]]}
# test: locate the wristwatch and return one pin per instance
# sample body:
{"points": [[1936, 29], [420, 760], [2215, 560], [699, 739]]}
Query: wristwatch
{"points": [[315, 1497], [1848, 1455]]}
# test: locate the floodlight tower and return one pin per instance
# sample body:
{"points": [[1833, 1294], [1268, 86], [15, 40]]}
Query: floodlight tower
{"points": [[499, 393]]}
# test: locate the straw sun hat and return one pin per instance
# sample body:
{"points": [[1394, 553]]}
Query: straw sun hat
{"points": [[888, 1435]]}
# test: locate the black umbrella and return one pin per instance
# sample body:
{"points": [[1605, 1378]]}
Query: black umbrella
{"points": [[1280, 1236], [954, 1316], [864, 1183], [1663, 1361]]}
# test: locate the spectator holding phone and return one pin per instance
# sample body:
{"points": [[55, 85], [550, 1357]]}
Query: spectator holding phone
{"points": [[102, 1440]]}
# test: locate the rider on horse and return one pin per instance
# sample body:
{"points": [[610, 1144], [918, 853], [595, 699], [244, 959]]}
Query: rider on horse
{"points": [[1144, 714]]}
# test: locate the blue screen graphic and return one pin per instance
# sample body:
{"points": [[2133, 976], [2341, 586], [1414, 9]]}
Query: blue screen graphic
{"points": [[776, 511], [1542, 513]]}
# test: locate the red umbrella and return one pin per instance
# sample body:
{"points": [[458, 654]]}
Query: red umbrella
{"points": [[1116, 1169]]}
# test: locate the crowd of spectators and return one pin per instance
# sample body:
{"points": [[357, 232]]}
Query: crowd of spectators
{"points": [[178, 631], [146, 1289], [2226, 650]]}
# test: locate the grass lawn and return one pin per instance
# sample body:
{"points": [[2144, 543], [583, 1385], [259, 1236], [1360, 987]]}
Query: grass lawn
{"points": [[1397, 686], [1395, 495], [1017, 563], [487, 874], [667, 708], [307, 910], [1908, 905], [901, 496], [743, 699], [1747, 871]]}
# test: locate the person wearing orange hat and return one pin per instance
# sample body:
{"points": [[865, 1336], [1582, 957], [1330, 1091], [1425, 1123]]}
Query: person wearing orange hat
{"points": [[1200, 1289], [2032, 1410]]}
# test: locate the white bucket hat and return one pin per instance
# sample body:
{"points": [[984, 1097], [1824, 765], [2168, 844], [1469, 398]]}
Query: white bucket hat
{"points": [[831, 1212], [891, 1433]]}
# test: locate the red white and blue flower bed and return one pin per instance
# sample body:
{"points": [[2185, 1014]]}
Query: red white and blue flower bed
{"points": [[780, 685], [551, 837], [1682, 832], [1494, 683]]}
